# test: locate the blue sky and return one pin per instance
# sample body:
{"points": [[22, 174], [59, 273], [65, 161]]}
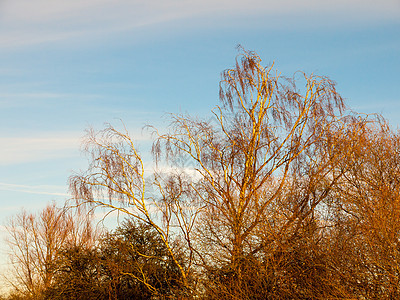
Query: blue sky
{"points": [[67, 65]]}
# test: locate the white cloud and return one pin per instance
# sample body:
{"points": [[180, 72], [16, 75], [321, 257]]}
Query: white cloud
{"points": [[40, 98], [31, 189], [54, 145], [43, 147], [25, 22]]}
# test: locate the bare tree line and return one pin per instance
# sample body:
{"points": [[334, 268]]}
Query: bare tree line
{"points": [[284, 195]]}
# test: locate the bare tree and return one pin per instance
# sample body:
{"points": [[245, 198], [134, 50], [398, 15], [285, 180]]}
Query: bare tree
{"points": [[116, 180], [36, 240], [263, 165]]}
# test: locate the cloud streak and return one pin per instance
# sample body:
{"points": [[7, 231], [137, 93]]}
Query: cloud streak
{"points": [[30, 189], [8, 100], [50, 145], [27, 22], [32, 149]]}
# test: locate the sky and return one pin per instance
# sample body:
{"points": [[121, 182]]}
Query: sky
{"points": [[66, 66]]}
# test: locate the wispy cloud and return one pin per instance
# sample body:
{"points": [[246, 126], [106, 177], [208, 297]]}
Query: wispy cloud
{"points": [[26, 22], [30, 189], [53, 145], [42, 147], [37, 98]]}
